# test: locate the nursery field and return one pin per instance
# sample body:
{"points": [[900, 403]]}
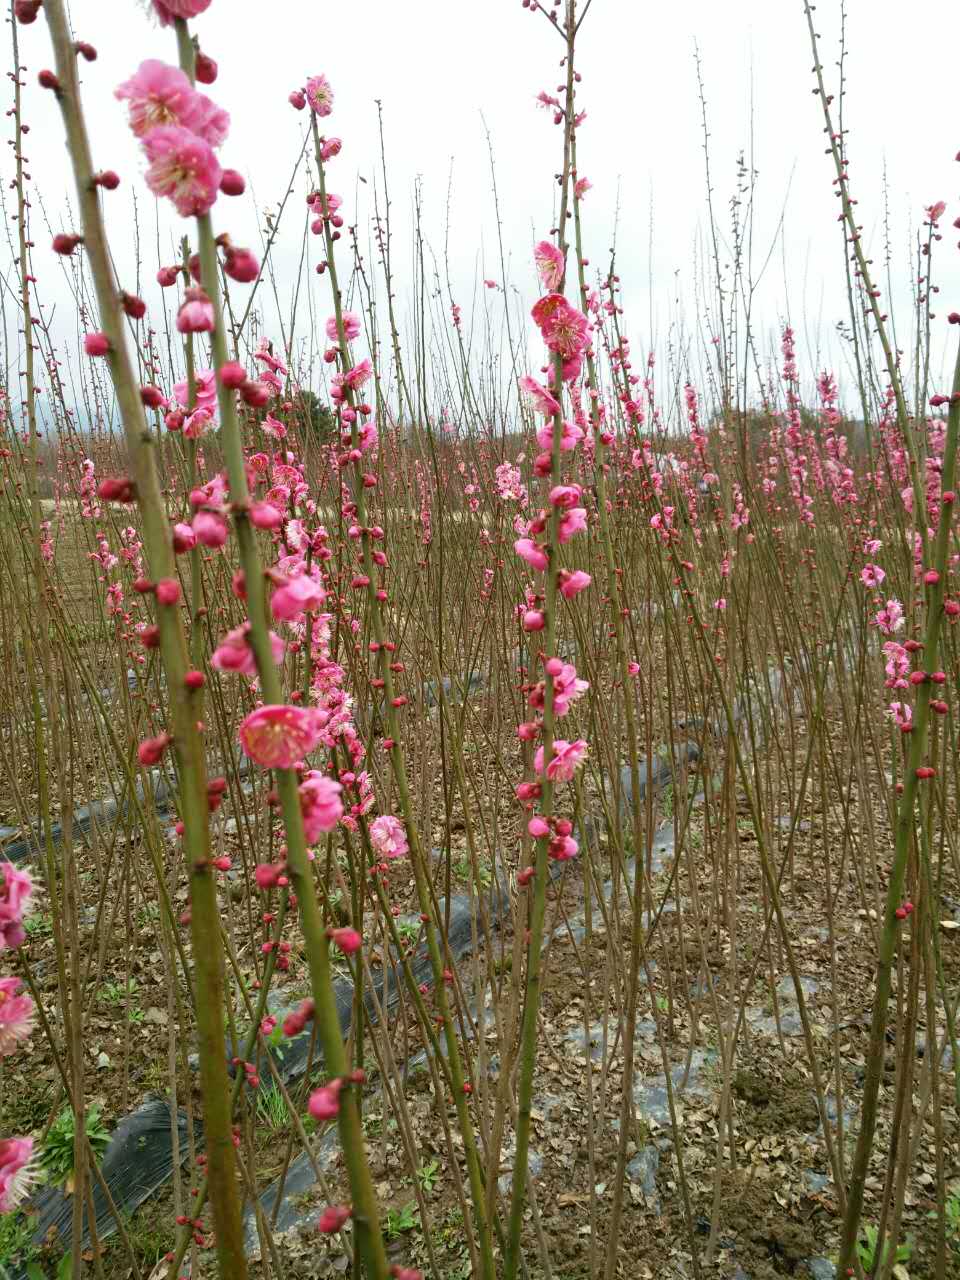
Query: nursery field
{"points": [[477, 799]]}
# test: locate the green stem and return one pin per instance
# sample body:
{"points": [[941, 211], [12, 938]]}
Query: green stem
{"points": [[365, 1216], [531, 1006], [187, 742], [905, 827], [418, 861]]}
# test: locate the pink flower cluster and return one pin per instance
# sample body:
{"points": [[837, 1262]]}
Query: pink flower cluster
{"points": [[178, 127]]}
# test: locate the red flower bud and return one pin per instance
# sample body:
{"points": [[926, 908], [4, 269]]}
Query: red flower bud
{"points": [[150, 751], [333, 1218], [232, 183], [204, 68], [168, 591], [66, 244], [133, 306], [152, 397], [96, 344], [117, 489], [233, 375], [256, 394]]}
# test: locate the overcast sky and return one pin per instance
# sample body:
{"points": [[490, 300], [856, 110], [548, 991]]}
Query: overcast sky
{"points": [[446, 70]]}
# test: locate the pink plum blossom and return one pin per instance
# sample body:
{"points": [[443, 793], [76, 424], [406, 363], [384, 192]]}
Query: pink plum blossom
{"points": [[565, 330], [567, 687], [17, 1172], [550, 265], [901, 713], [567, 756], [16, 1015], [889, 620], [184, 168], [572, 582], [235, 654], [205, 390], [297, 596], [571, 522], [388, 837], [319, 95], [320, 804], [168, 10], [278, 736], [532, 552], [538, 397], [351, 326], [16, 889]]}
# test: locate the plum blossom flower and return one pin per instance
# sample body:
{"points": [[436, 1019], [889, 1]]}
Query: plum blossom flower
{"points": [[324, 1103], [210, 528], [897, 665], [388, 837], [538, 397], [348, 940], [532, 552], [351, 326], [901, 713], [509, 483], [15, 892], [234, 652], [565, 495], [871, 575], [198, 424], [158, 94], [168, 10], [571, 522], [563, 848], [297, 595], [565, 330], [205, 383], [278, 736], [182, 167], [320, 804], [566, 758], [320, 95], [567, 687], [333, 1218], [889, 620], [550, 265], [16, 1015], [572, 581], [17, 1171], [570, 436], [196, 314]]}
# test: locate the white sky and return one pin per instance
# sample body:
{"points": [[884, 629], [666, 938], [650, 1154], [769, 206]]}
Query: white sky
{"points": [[444, 67]]}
